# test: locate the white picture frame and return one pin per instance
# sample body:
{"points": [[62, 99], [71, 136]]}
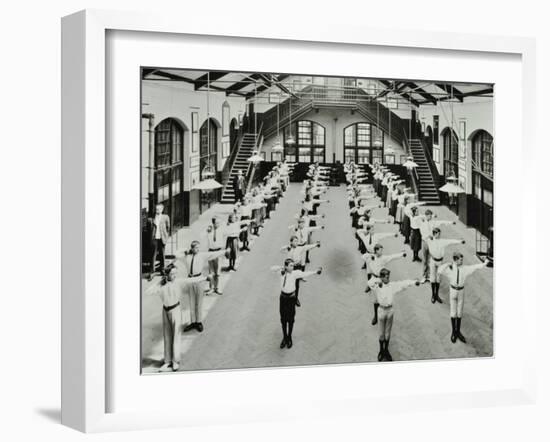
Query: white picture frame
{"points": [[87, 257]]}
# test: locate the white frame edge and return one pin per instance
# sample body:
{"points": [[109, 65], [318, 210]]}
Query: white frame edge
{"points": [[84, 346]]}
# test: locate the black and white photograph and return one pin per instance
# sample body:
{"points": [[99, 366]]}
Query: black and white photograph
{"points": [[298, 220]]}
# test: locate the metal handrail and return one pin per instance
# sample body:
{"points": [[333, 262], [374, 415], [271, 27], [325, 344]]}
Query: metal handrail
{"points": [[258, 144], [228, 166], [431, 163], [414, 176]]}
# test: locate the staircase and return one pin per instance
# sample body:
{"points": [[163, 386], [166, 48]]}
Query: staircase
{"points": [[310, 98], [427, 186], [246, 147]]}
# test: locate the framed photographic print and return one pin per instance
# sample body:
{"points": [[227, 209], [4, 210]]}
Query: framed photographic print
{"points": [[436, 156], [143, 319], [462, 138], [389, 159], [194, 131], [276, 156], [225, 149], [462, 130]]}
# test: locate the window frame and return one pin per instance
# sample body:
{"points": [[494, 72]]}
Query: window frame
{"points": [[358, 149], [482, 154], [168, 181], [450, 152], [305, 141], [211, 156]]}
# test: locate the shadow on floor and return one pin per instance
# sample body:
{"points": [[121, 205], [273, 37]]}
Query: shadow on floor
{"points": [[51, 414]]}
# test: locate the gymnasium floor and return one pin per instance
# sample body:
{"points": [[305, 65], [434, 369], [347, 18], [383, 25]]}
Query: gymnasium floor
{"points": [[242, 327]]}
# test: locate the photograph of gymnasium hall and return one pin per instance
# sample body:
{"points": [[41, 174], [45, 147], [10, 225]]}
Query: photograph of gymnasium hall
{"points": [[294, 220]]}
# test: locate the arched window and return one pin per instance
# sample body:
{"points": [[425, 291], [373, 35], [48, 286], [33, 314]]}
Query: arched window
{"points": [[226, 112], [233, 132], [209, 146], [363, 143], [482, 167], [169, 169], [450, 152], [310, 142]]}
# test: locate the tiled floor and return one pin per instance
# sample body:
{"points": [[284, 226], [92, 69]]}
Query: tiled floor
{"points": [[242, 327]]}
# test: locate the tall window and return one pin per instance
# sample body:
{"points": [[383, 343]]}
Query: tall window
{"points": [[482, 167], [169, 169], [310, 142], [363, 143], [226, 112], [209, 146], [450, 152]]}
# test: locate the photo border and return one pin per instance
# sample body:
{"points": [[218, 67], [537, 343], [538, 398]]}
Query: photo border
{"points": [[85, 264]]}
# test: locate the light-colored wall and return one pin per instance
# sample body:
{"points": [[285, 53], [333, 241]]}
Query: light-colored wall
{"points": [[334, 122], [477, 113], [178, 100]]}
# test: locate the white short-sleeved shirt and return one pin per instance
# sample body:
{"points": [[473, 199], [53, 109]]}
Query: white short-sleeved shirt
{"points": [[377, 263], [288, 280], [437, 246], [171, 292], [216, 238], [194, 264], [457, 274], [427, 227], [386, 292]]}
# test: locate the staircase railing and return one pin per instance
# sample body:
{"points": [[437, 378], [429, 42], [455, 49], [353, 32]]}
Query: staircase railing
{"points": [[269, 118], [258, 144], [226, 171], [412, 172], [431, 163], [313, 96]]}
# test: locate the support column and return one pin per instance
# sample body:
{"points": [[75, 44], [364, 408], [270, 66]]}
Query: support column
{"points": [[151, 174]]}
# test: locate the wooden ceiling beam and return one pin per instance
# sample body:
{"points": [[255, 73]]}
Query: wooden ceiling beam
{"points": [[203, 80], [169, 76], [451, 91], [235, 87], [418, 90], [479, 93]]}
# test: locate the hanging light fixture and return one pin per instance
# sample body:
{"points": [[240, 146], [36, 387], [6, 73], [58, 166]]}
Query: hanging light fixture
{"points": [[208, 174], [451, 187], [410, 164], [255, 158], [208, 183], [277, 147], [378, 141], [389, 149], [291, 141]]}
